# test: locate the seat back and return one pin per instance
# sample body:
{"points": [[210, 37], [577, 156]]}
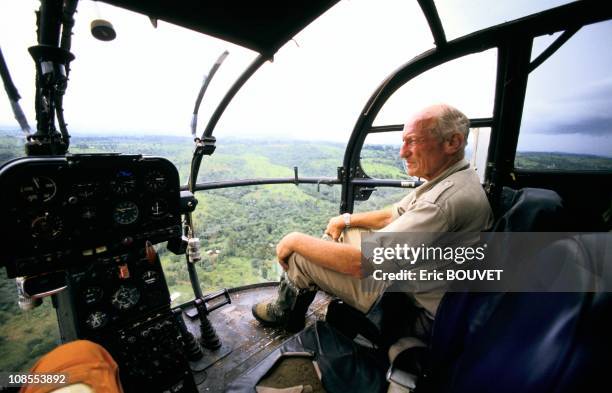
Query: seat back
{"points": [[528, 342], [530, 210]]}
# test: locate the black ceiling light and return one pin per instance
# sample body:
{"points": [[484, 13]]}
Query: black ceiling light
{"points": [[102, 29]]}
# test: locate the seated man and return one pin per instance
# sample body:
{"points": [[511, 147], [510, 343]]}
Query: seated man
{"points": [[452, 200]]}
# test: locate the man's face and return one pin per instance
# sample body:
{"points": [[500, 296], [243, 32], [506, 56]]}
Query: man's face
{"points": [[424, 153]]}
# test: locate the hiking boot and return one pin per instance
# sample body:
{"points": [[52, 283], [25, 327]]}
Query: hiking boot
{"points": [[288, 310]]}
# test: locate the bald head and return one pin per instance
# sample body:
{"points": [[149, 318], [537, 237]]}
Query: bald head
{"points": [[443, 120], [433, 140]]}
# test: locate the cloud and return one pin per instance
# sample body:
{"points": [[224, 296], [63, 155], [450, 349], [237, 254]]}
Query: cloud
{"points": [[586, 111], [579, 124]]}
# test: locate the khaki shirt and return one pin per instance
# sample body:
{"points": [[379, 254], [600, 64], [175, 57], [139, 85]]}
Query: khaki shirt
{"points": [[452, 202]]}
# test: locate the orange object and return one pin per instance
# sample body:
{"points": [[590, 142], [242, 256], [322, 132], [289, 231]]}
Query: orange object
{"points": [[84, 362], [150, 252], [124, 272]]}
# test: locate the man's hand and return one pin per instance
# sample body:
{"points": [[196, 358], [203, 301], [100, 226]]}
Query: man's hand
{"points": [[284, 249], [335, 226]]}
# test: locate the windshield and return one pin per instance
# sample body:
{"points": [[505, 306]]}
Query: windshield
{"points": [[144, 82]]}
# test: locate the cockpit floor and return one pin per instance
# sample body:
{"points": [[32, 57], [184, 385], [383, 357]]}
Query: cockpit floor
{"points": [[244, 341]]}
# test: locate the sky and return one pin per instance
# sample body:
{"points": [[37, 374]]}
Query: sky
{"points": [[147, 79]]}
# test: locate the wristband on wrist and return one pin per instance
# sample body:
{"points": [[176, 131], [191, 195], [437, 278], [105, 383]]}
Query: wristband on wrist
{"points": [[347, 220]]}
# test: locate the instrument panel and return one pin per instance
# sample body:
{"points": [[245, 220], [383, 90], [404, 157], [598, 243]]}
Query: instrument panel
{"points": [[58, 211], [116, 290], [94, 219]]}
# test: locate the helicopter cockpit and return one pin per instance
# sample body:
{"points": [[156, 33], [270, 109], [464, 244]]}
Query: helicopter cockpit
{"points": [[93, 231]]}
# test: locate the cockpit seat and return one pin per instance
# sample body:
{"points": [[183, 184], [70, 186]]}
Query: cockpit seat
{"points": [[527, 342], [529, 210]]}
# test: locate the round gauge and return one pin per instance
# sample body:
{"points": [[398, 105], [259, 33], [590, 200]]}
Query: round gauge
{"points": [[156, 181], [125, 213], [159, 208], [125, 298], [124, 183], [150, 277], [38, 189], [92, 295], [86, 190], [47, 227], [96, 320]]}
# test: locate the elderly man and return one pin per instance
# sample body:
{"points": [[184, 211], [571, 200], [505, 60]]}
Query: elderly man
{"points": [[452, 200]]}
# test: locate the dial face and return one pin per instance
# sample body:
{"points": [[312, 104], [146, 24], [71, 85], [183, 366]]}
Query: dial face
{"points": [[124, 183], [125, 297], [150, 277], [47, 226], [96, 320], [92, 295], [156, 181], [159, 208], [125, 213], [38, 189]]}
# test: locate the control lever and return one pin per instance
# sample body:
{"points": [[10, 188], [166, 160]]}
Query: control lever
{"points": [[208, 336], [25, 301], [190, 345], [31, 289]]}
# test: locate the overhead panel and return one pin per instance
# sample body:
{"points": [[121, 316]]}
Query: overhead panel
{"points": [[245, 23]]}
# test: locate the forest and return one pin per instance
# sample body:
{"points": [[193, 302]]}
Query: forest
{"points": [[238, 227]]}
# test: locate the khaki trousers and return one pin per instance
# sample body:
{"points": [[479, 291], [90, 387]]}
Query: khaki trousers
{"points": [[357, 293]]}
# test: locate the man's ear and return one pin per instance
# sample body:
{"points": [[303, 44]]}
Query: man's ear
{"points": [[454, 143]]}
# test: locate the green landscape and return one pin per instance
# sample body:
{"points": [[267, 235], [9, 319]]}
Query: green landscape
{"points": [[238, 227]]}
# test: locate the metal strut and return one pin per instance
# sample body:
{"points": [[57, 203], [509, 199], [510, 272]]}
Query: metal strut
{"points": [[13, 96]]}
